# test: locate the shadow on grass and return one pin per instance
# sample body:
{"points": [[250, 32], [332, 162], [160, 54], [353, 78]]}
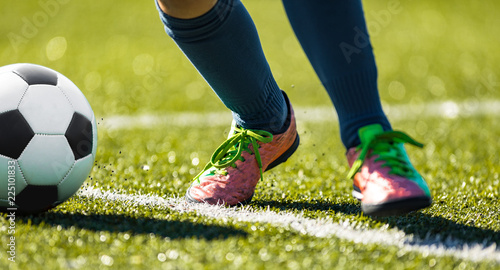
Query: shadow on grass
{"points": [[420, 224], [134, 225], [315, 205], [423, 225]]}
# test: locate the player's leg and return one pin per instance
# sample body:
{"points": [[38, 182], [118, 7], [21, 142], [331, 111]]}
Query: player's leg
{"points": [[223, 45], [335, 38], [333, 34]]}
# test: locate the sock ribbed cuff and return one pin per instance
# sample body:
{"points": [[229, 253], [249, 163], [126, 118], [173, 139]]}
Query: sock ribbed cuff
{"points": [[357, 102], [357, 92], [267, 112]]}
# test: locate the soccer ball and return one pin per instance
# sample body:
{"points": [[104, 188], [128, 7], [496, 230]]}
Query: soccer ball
{"points": [[48, 138]]}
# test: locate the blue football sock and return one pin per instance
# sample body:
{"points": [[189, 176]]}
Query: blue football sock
{"points": [[335, 38], [224, 46]]}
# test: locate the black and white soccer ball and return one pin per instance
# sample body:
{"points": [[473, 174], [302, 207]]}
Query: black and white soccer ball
{"points": [[48, 138]]}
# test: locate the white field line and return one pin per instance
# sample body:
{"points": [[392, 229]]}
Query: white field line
{"points": [[444, 109], [431, 245]]}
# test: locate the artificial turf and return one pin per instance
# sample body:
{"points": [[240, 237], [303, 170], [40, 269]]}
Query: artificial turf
{"points": [[121, 59]]}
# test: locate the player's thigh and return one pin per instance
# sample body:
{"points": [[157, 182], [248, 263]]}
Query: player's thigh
{"points": [[186, 9]]}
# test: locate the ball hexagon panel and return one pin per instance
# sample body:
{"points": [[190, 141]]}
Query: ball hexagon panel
{"points": [[75, 96], [35, 74], [94, 135], [11, 91], [4, 204], [74, 180], [46, 160], [34, 199], [15, 134], [46, 109], [79, 135], [6, 172]]}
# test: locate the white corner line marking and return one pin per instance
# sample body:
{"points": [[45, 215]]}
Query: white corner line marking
{"points": [[431, 245]]}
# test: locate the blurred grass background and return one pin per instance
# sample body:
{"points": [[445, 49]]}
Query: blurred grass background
{"points": [[120, 57]]}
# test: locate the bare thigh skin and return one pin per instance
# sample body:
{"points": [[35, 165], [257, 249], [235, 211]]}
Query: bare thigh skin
{"points": [[186, 9]]}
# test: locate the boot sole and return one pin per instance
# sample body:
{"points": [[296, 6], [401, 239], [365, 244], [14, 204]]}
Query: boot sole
{"points": [[392, 208]]}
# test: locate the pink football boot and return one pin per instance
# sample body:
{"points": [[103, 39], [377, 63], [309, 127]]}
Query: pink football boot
{"points": [[237, 165], [385, 181]]}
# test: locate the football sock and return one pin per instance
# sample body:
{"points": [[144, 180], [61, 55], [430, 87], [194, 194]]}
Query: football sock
{"points": [[334, 37], [224, 46]]}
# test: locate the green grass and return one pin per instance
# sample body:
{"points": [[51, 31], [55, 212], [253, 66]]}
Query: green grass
{"points": [[125, 64]]}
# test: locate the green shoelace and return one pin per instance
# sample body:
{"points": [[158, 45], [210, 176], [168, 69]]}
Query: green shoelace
{"points": [[385, 145], [230, 150]]}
